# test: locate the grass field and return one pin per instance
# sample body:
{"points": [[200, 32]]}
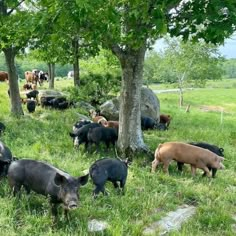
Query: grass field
{"points": [[44, 136]]}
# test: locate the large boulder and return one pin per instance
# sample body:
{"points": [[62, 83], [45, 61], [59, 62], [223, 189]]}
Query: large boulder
{"points": [[150, 106]]}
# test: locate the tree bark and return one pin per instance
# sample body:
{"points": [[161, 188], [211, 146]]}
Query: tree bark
{"points": [[75, 45], [51, 72], [16, 107], [130, 140]]}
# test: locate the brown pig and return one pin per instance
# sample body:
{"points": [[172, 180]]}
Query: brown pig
{"points": [[185, 153]]}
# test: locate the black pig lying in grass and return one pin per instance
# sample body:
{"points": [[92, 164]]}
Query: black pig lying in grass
{"points": [[47, 180], [108, 169]]}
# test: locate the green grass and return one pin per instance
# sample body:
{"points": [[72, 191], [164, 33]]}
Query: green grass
{"points": [[44, 136]]}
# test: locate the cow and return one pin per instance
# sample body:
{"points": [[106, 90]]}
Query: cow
{"points": [[197, 157], [47, 180], [108, 169], [43, 76], [3, 76], [32, 76]]}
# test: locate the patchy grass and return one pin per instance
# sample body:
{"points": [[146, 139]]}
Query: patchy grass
{"points": [[44, 136]]}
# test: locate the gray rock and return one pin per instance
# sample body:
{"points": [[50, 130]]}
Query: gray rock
{"points": [[172, 221], [150, 106], [84, 105], [96, 225]]}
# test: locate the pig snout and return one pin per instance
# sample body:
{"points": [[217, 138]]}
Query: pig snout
{"points": [[221, 166], [71, 204]]}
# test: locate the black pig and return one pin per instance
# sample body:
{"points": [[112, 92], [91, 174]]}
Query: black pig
{"points": [[148, 123], [80, 135], [5, 159], [102, 134], [108, 169], [31, 104], [47, 180]]}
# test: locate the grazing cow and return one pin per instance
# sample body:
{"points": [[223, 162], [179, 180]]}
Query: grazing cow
{"points": [[81, 135], [185, 153], [5, 159], [165, 119], [108, 169], [47, 180], [148, 123], [102, 134], [31, 105], [2, 128], [3, 76], [213, 148]]}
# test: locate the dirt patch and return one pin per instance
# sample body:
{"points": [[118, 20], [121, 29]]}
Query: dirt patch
{"points": [[212, 108]]}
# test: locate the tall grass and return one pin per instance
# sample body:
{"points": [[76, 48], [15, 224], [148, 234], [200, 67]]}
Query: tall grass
{"points": [[44, 136]]}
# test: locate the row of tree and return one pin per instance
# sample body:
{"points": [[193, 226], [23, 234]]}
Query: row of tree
{"points": [[66, 30]]}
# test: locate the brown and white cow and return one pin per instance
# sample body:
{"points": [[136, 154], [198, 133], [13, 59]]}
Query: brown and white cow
{"points": [[197, 157], [3, 76], [32, 77]]}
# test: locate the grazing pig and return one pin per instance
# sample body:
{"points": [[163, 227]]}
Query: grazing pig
{"points": [[81, 123], [108, 169], [165, 119], [111, 124], [2, 128], [47, 180], [80, 135], [31, 105], [5, 159], [148, 123], [210, 147], [102, 134], [45, 101], [185, 153]]}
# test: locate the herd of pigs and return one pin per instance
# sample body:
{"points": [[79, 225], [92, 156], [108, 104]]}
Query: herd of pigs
{"points": [[62, 188]]}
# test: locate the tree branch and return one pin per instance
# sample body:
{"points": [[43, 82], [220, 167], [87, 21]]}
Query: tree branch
{"points": [[17, 5]]}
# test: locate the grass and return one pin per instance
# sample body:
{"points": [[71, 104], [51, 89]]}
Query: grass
{"points": [[44, 136]]}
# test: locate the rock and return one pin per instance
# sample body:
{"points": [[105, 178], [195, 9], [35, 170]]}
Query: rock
{"points": [[84, 105], [172, 221], [110, 109], [96, 225], [150, 106], [50, 93]]}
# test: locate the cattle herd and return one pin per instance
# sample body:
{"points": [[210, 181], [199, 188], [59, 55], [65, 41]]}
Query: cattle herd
{"points": [[62, 188]]}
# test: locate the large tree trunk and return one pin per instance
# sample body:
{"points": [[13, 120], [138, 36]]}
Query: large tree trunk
{"points": [[130, 140], [51, 72], [75, 45], [16, 107]]}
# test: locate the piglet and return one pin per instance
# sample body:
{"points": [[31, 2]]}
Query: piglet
{"points": [[108, 169], [47, 180]]}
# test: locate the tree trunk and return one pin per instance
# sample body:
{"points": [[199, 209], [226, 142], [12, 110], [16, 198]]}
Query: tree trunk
{"points": [[75, 45], [51, 72], [130, 140], [16, 107]]}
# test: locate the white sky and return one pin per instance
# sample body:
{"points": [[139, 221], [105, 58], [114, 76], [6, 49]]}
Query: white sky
{"points": [[228, 49]]}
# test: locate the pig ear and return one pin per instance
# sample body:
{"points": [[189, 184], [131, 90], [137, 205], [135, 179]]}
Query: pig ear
{"points": [[59, 179], [83, 179]]}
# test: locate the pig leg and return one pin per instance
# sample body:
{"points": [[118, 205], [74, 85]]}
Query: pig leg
{"points": [[115, 184], [180, 166], [214, 172], [206, 171], [54, 208], [122, 186], [193, 170], [154, 165], [99, 188], [166, 166]]}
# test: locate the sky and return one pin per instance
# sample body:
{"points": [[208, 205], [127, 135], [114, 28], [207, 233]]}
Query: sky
{"points": [[228, 49]]}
